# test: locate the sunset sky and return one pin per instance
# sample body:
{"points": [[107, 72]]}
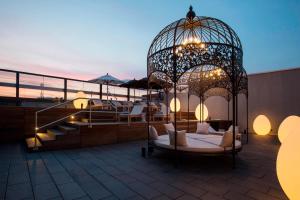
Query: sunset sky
{"points": [[87, 38]]}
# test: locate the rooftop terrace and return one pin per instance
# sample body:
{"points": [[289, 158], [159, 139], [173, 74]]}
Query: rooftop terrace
{"points": [[120, 172]]}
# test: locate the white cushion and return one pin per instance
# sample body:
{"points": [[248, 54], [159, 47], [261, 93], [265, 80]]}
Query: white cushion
{"points": [[211, 130], [202, 128], [236, 129], [153, 133], [169, 127], [181, 138], [227, 139], [197, 143]]}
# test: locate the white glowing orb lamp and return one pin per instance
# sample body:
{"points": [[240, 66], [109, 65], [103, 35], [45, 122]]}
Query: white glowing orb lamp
{"points": [[262, 125], [288, 165], [205, 112], [80, 103], [172, 105], [287, 126]]}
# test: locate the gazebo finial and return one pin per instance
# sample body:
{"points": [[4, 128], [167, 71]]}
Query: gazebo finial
{"points": [[191, 14]]}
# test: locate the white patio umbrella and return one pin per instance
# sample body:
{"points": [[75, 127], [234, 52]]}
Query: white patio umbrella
{"points": [[108, 80]]}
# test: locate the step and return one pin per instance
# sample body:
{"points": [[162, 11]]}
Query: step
{"points": [[67, 129], [86, 120], [101, 115], [45, 137], [72, 124], [55, 133], [31, 143]]}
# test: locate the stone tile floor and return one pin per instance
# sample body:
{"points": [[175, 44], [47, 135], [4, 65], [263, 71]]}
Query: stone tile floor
{"points": [[119, 172]]}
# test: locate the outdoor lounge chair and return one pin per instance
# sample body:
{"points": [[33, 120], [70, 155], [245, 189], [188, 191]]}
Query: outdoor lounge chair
{"points": [[99, 103], [162, 114], [118, 105], [136, 112], [128, 105]]}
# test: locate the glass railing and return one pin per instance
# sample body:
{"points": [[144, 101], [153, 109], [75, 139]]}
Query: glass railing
{"points": [[23, 87]]}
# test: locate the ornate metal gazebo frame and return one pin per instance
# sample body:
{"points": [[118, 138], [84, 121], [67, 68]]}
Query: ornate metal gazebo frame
{"points": [[207, 83], [194, 42]]}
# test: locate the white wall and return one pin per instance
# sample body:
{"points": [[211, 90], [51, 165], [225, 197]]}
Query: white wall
{"points": [[274, 94]]}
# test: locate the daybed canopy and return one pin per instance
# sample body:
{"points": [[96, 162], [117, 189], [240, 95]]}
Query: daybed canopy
{"points": [[198, 46]]}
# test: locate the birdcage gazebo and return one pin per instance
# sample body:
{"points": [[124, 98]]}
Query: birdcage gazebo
{"points": [[192, 42], [206, 83]]}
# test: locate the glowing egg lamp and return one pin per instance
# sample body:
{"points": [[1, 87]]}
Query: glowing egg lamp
{"points": [[80, 103], [288, 165], [262, 125], [287, 126], [205, 112], [172, 105]]}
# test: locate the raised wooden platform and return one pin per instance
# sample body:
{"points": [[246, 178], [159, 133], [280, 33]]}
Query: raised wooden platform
{"points": [[85, 134], [109, 133], [17, 123]]}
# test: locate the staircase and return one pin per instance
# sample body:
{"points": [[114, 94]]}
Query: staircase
{"points": [[62, 136], [62, 133]]}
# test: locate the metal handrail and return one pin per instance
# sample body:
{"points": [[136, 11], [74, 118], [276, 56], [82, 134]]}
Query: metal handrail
{"points": [[59, 104], [53, 122], [50, 107], [65, 117], [73, 114]]}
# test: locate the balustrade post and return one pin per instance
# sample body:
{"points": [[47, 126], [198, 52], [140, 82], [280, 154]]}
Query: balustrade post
{"points": [[65, 89], [17, 88]]}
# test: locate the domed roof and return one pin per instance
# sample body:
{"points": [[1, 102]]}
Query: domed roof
{"points": [[198, 44], [206, 29]]}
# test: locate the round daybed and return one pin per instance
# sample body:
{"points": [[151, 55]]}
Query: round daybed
{"points": [[197, 143]]}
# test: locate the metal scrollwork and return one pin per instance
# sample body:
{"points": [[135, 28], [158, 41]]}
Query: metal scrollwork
{"points": [[194, 42], [202, 54]]}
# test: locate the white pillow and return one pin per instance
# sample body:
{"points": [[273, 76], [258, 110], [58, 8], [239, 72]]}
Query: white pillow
{"points": [[153, 133], [202, 128], [236, 129], [226, 139], [181, 137], [211, 130], [169, 127]]}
